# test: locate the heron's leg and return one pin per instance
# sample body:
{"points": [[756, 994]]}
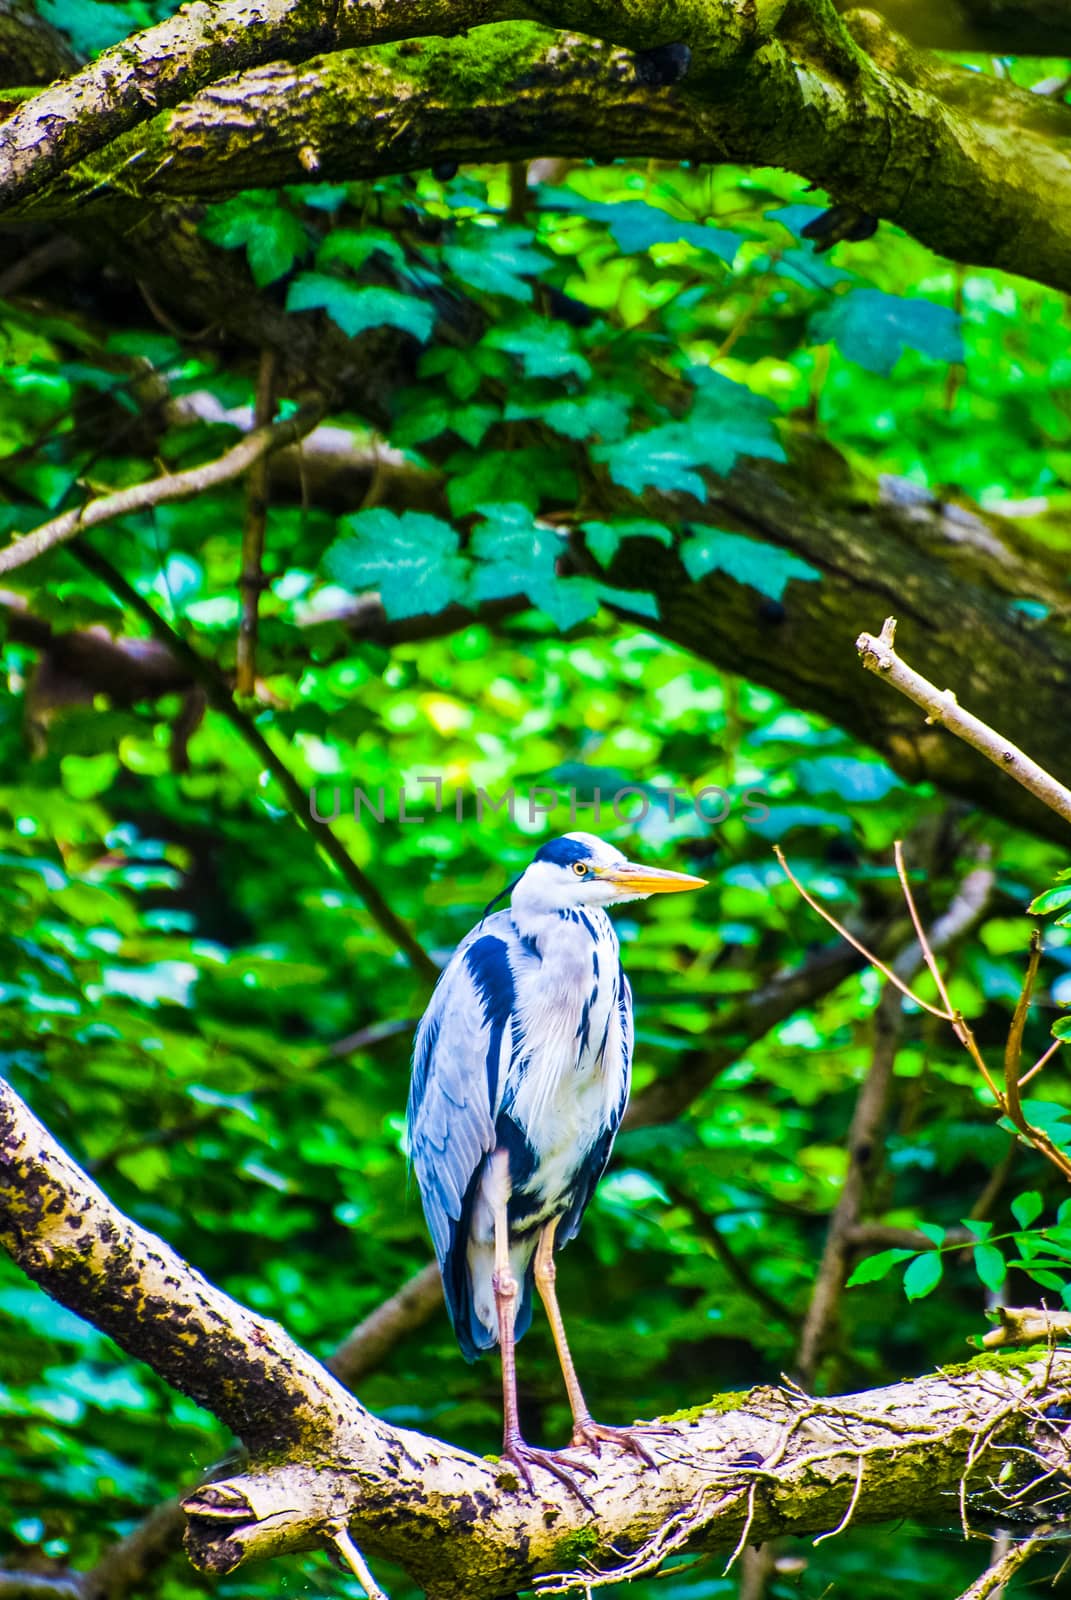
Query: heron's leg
{"points": [[514, 1446], [505, 1285], [586, 1431]]}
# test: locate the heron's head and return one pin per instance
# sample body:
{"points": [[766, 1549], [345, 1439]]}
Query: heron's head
{"points": [[580, 870]]}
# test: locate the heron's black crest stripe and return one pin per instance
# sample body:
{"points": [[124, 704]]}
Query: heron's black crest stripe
{"points": [[563, 852], [501, 895]]}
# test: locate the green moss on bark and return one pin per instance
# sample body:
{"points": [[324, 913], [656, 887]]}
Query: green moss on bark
{"points": [[485, 62]]}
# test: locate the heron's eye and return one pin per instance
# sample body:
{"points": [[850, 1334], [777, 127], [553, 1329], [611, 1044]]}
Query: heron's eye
{"points": [[580, 869]]}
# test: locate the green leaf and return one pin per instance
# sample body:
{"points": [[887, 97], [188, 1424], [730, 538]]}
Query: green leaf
{"points": [[600, 413], [726, 421], [933, 1232], [524, 477], [1053, 1120], [352, 247], [497, 260], [981, 1230], [1026, 1208], [89, 28], [762, 566], [872, 1268], [604, 538], [355, 309], [1047, 1280], [990, 1267], [274, 238], [637, 226], [923, 1275], [518, 555], [1051, 900], [664, 458], [427, 413], [412, 560], [872, 329], [640, 601], [545, 350]]}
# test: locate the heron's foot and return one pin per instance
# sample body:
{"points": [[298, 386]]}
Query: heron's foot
{"points": [[525, 1456], [591, 1436]]}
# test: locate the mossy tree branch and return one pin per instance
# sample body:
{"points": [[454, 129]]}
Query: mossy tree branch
{"points": [[768, 1462], [975, 169], [205, 43]]}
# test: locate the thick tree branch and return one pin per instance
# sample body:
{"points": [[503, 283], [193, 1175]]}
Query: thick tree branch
{"points": [[205, 43], [461, 1526], [955, 159]]}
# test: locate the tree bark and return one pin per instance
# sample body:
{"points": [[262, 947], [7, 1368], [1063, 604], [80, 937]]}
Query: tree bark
{"points": [[743, 1468], [957, 159], [995, 27], [950, 574]]}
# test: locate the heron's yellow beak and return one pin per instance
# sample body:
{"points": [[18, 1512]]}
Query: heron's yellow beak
{"points": [[635, 879]]}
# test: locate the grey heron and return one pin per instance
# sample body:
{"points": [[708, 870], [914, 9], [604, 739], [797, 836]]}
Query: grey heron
{"points": [[521, 1069]]}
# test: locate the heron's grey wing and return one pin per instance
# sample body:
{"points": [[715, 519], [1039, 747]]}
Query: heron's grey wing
{"points": [[460, 1057]]}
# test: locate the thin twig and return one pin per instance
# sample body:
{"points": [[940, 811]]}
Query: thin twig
{"points": [[879, 966], [170, 486], [741, 1543], [852, 1503], [1013, 1049], [996, 1576], [339, 1537], [219, 696], [251, 576], [941, 706], [920, 932], [1040, 1062]]}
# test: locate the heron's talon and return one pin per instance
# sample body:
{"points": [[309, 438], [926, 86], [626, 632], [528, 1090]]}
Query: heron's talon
{"points": [[525, 1456], [591, 1435]]}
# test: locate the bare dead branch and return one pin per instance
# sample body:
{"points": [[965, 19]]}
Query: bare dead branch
{"points": [[941, 706], [458, 1524], [1028, 1325], [996, 1576], [171, 486]]}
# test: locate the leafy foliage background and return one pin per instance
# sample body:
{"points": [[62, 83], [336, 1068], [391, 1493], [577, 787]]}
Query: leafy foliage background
{"points": [[181, 973]]}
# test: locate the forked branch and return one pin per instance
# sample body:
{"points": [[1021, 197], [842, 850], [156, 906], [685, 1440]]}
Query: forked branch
{"points": [[1007, 1098]]}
